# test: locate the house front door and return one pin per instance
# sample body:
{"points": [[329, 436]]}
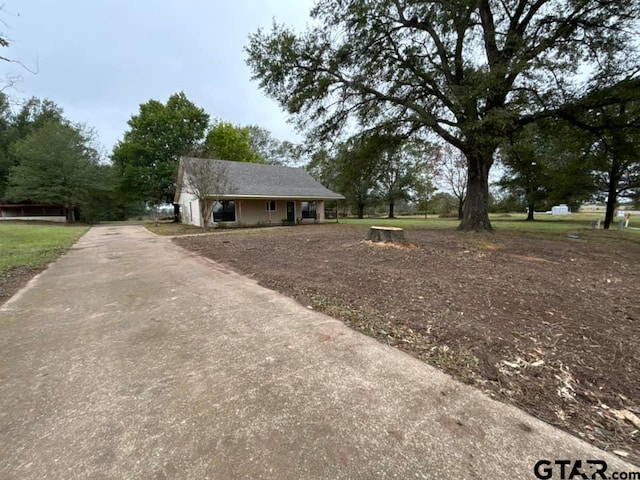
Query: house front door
{"points": [[291, 213]]}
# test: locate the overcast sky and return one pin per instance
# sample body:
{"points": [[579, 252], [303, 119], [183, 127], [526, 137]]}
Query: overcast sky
{"points": [[99, 59]]}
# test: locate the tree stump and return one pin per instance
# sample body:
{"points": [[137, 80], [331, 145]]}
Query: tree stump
{"points": [[387, 235]]}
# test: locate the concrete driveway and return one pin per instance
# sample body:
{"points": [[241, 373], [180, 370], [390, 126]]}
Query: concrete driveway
{"points": [[132, 358]]}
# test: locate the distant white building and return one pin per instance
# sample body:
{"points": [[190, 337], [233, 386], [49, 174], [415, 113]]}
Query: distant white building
{"points": [[561, 209]]}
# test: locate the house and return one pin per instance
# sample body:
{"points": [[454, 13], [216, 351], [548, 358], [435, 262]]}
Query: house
{"points": [[253, 194], [33, 211]]}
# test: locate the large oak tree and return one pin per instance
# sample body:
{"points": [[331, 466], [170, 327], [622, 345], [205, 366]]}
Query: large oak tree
{"points": [[472, 71]]}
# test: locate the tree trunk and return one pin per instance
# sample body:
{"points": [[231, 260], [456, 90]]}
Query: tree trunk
{"points": [[361, 211], [460, 208], [391, 210], [614, 178], [71, 215], [176, 213], [612, 197], [530, 213], [476, 206], [206, 212]]}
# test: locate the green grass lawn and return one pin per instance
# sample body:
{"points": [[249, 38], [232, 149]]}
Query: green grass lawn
{"points": [[516, 224], [512, 221], [499, 221], [170, 228], [543, 226], [35, 245]]}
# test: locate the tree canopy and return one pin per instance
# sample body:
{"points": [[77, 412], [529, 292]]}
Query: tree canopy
{"points": [[370, 169], [32, 115], [226, 141], [547, 163], [351, 170], [403, 168], [147, 157], [272, 150], [58, 164], [472, 72], [613, 134]]}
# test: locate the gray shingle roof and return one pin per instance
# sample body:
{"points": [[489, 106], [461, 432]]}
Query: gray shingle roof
{"points": [[254, 179]]}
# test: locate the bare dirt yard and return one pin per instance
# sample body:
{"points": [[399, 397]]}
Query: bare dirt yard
{"points": [[551, 325]]}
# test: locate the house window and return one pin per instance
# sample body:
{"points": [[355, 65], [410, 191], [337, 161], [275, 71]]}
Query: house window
{"points": [[308, 209], [224, 211], [270, 206]]}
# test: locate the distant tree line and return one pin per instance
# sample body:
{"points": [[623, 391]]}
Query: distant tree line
{"points": [[549, 162], [47, 158]]}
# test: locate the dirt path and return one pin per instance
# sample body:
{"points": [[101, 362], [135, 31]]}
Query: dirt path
{"points": [[131, 358]]}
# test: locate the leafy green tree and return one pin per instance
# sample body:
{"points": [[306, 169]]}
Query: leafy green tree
{"points": [[353, 169], [147, 157], [403, 167], [226, 141], [506, 202], [5, 141], [614, 134], [425, 193], [272, 150], [323, 167], [58, 164], [473, 72], [103, 201], [546, 163], [368, 169], [571, 179], [32, 115], [395, 182], [524, 176]]}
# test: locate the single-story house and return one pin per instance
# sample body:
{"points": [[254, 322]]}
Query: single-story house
{"points": [[254, 194], [33, 211]]}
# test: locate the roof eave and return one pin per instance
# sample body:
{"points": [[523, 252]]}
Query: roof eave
{"points": [[278, 197]]}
